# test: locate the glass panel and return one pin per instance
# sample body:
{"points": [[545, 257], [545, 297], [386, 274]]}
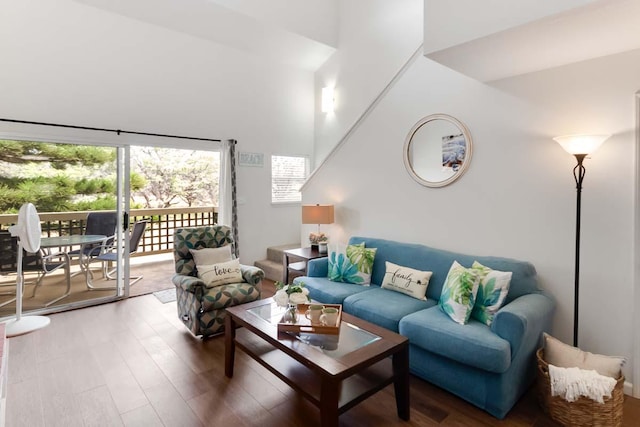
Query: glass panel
{"points": [[351, 337], [65, 182]]}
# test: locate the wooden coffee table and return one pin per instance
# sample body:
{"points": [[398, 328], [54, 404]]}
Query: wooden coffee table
{"points": [[334, 372]]}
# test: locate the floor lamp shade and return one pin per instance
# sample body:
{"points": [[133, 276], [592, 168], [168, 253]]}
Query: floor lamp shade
{"points": [[580, 146], [317, 214]]}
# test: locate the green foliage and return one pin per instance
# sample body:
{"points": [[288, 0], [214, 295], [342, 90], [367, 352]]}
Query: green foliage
{"points": [[69, 177], [136, 181], [49, 195], [106, 203], [58, 155], [95, 186]]}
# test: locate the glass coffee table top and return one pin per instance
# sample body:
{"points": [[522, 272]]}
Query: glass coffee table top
{"points": [[351, 337]]}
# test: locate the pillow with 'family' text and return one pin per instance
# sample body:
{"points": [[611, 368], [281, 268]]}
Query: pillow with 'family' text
{"points": [[351, 263], [459, 292], [492, 291], [406, 280], [220, 274]]}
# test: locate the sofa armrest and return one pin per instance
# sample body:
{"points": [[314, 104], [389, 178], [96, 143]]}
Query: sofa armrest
{"points": [[252, 275], [188, 283], [318, 267], [523, 320]]}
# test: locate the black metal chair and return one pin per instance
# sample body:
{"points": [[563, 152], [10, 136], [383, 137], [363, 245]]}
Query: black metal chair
{"points": [[99, 223], [107, 255], [42, 263]]}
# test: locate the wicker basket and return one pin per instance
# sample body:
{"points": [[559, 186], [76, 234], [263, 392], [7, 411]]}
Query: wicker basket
{"points": [[584, 411]]}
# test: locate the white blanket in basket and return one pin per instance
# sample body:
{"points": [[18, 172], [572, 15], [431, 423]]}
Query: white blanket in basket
{"points": [[572, 383]]}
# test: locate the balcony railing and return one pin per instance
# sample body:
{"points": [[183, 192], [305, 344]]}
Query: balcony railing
{"points": [[158, 236]]}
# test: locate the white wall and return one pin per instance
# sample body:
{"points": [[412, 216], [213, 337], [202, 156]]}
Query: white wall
{"points": [[69, 63], [315, 19], [471, 19], [517, 199], [376, 38]]}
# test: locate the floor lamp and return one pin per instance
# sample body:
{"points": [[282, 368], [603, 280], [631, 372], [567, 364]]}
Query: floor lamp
{"points": [[580, 146]]}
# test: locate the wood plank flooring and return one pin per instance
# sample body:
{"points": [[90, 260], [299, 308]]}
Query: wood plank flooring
{"points": [[133, 363]]}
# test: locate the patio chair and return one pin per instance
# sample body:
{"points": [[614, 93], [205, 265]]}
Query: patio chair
{"points": [[107, 255], [42, 263], [101, 223], [202, 308]]}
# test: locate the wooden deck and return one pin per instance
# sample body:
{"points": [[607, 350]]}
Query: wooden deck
{"points": [[156, 271]]}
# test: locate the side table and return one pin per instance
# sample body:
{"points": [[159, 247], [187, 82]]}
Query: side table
{"points": [[301, 256]]}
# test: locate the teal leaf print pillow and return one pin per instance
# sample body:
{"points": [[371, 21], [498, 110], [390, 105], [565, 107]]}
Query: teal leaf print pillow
{"points": [[459, 292], [351, 264], [493, 290]]}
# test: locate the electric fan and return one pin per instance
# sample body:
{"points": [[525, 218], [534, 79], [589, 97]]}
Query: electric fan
{"points": [[28, 231]]}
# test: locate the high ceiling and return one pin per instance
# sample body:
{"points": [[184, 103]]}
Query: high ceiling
{"points": [[487, 40], [299, 34], [549, 34]]}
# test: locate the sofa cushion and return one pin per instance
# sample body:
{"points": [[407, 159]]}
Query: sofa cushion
{"points": [[383, 307], [472, 344], [323, 290], [351, 263]]}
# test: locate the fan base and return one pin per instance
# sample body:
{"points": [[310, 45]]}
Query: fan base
{"points": [[25, 325]]}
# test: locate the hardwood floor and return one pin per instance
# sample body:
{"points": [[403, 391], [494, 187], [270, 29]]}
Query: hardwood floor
{"points": [[133, 363]]}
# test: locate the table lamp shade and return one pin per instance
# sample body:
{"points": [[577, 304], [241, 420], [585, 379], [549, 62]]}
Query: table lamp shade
{"points": [[317, 214]]}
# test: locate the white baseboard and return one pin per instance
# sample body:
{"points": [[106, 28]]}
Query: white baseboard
{"points": [[628, 388]]}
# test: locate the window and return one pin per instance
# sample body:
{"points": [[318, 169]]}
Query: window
{"points": [[288, 173]]}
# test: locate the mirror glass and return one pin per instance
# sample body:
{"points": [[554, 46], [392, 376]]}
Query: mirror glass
{"points": [[437, 150]]}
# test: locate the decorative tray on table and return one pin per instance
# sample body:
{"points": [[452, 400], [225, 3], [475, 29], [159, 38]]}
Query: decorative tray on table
{"points": [[303, 325]]}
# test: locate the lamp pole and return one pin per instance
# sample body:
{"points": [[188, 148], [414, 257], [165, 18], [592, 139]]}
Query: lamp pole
{"points": [[580, 146], [578, 173]]}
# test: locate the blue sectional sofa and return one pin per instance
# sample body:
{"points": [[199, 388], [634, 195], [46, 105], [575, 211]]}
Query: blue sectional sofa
{"points": [[489, 366]]}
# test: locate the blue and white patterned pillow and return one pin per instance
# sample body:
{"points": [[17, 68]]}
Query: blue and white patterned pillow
{"points": [[351, 263]]}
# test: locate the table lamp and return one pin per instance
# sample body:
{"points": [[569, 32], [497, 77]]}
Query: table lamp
{"points": [[317, 214]]}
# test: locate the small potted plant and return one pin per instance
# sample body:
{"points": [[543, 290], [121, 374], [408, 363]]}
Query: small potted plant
{"points": [[290, 296], [320, 240]]}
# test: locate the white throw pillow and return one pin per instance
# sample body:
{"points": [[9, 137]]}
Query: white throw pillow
{"points": [[406, 280], [459, 292], [221, 273], [210, 256], [493, 290], [563, 355]]}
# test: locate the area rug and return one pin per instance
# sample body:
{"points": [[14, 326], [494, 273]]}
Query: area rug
{"points": [[167, 295]]}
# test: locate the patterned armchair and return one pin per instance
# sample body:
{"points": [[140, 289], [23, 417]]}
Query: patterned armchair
{"points": [[200, 308]]}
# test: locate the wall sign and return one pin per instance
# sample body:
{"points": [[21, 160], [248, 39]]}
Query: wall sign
{"points": [[251, 159]]}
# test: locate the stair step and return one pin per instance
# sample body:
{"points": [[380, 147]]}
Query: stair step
{"points": [[272, 270], [275, 253]]}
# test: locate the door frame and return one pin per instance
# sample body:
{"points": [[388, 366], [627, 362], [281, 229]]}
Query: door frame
{"points": [[83, 137]]}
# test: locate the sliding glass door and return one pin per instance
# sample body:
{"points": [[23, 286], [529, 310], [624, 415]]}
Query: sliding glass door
{"points": [[91, 198], [81, 193]]}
